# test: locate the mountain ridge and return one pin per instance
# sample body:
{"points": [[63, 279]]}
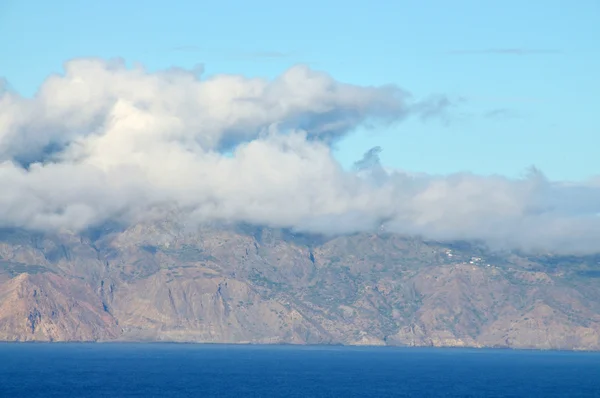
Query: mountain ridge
{"points": [[163, 281]]}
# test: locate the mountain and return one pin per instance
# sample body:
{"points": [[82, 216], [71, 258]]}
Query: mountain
{"points": [[163, 281]]}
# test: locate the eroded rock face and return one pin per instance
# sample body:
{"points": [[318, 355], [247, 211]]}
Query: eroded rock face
{"points": [[50, 307], [163, 282]]}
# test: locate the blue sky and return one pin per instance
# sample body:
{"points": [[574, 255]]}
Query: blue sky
{"points": [[526, 72]]}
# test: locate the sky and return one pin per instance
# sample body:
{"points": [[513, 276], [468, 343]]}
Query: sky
{"points": [[464, 94], [524, 75]]}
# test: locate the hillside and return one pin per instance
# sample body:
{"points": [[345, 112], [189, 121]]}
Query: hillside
{"points": [[161, 281]]}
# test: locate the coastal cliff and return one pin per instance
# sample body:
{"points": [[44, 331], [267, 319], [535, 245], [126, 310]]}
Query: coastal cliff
{"points": [[229, 284]]}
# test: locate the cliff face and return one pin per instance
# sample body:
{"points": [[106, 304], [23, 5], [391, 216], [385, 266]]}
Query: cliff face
{"points": [[161, 282], [49, 307]]}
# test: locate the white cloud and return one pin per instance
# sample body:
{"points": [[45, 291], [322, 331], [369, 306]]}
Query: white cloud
{"points": [[103, 142]]}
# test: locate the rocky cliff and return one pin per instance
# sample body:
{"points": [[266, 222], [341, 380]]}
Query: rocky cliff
{"points": [[162, 281]]}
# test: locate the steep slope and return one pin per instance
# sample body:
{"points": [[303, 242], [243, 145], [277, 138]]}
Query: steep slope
{"points": [[163, 281], [49, 307]]}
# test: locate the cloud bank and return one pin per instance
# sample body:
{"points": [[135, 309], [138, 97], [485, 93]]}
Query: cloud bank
{"points": [[104, 142]]}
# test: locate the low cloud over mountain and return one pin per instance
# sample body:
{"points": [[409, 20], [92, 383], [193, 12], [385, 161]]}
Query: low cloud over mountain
{"points": [[106, 142]]}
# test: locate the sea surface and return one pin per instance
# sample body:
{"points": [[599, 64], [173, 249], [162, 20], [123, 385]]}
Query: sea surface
{"points": [[188, 370]]}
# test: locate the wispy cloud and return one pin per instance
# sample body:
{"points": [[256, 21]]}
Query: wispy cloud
{"points": [[502, 113], [505, 51], [501, 99], [266, 54], [259, 54], [190, 49]]}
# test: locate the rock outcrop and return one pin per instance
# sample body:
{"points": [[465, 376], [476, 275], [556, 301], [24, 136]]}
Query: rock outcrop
{"points": [[163, 282]]}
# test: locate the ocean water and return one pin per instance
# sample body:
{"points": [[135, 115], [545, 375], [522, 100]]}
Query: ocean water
{"points": [[187, 370]]}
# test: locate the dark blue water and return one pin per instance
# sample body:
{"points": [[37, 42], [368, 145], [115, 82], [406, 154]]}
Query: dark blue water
{"points": [[171, 370]]}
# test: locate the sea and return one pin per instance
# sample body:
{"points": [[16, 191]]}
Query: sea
{"points": [[203, 370]]}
